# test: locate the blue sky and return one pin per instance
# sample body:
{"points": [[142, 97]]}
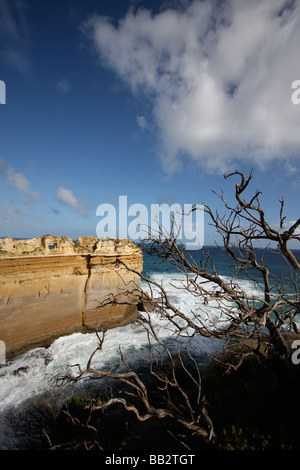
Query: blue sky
{"points": [[151, 100]]}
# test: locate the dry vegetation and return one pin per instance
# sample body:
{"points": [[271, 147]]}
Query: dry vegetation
{"points": [[245, 398]]}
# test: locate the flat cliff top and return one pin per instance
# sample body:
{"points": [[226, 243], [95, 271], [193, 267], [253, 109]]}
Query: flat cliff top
{"points": [[49, 245]]}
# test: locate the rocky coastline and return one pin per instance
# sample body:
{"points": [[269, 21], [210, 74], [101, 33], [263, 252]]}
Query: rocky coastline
{"points": [[51, 286]]}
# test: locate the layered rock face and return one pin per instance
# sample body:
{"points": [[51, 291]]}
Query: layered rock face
{"points": [[50, 286]]}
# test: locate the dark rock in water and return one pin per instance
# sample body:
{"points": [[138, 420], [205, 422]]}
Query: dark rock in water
{"points": [[21, 370], [42, 353], [39, 353]]}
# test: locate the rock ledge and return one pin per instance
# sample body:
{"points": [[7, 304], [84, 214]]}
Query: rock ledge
{"points": [[51, 286]]}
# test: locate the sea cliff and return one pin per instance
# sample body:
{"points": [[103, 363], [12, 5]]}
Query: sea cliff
{"points": [[51, 286]]}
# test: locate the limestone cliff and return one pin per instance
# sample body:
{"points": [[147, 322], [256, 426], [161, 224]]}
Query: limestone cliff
{"points": [[50, 286]]}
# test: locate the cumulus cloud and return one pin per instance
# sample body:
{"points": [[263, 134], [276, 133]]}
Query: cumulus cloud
{"points": [[142, 122], [14, 219], [18, 181], [63, 85], [66, 197], [218, 76]]}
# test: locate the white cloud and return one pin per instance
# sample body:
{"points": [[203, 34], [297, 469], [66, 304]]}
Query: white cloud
{"points": [[66, 197], [289, 224], [9, 214], [14, 219], [142, 122], [218, 75], [63, 85], [18, 181], [14, 35]]}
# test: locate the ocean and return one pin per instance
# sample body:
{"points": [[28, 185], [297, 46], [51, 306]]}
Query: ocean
{"points": [[30, 378]]}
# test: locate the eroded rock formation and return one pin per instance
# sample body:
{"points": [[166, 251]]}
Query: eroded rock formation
{"points": [[50, 286]]}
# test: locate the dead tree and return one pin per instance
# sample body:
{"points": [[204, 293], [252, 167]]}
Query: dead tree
{"points": [[273, 305], [241, 318], [240, 315], [174, 394]]}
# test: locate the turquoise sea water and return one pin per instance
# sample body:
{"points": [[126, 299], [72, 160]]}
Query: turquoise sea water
{"points": [[224, 264], [30, 377]]}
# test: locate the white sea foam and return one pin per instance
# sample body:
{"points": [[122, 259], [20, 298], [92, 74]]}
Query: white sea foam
{"points": [[36, 370], [34, 373]]}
